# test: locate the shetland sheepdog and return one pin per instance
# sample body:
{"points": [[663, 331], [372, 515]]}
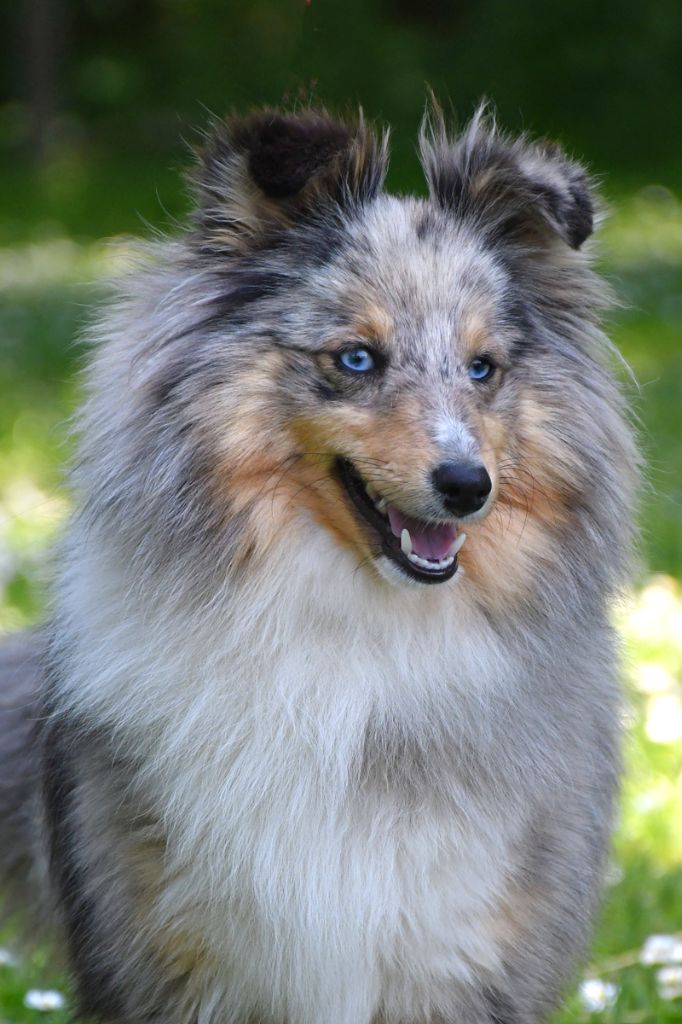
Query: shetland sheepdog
{"points": [[324, 726]]}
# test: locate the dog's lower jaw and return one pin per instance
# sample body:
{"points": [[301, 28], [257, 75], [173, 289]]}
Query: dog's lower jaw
{"points": [[389, 571]]}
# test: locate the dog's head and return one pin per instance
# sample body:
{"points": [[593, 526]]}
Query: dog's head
{"points": [[403, 371]]}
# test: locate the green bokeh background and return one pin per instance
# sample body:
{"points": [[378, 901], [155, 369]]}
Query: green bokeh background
{"points": [[100, 102]]}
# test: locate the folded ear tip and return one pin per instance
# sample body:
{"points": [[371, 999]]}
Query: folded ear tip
{"points": [[506, 183], [580, 218]]}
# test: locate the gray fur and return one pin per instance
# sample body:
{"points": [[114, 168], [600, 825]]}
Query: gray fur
{"points": [[279, 789], [21, 675]]}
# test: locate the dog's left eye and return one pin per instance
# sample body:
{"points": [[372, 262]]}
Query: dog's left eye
{"points": [[357, 360], [480, 369]]}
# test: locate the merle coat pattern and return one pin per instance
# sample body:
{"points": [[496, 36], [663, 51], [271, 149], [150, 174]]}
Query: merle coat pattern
{"points": [[293, 766]]}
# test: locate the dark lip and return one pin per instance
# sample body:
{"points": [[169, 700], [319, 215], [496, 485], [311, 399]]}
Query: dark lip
{"points": [[390, 545]]}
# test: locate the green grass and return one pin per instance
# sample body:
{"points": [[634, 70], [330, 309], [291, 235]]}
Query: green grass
{"points": [[25, 976], [50, 273]]}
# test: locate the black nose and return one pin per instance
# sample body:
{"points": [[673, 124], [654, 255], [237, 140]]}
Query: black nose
{"points": [[464, 486]]}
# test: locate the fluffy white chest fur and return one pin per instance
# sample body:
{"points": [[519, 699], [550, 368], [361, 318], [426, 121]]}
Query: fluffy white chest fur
{"points": [[327, 842]]}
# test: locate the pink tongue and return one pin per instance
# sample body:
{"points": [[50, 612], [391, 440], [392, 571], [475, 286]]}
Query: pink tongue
{"points": [[432, 542]]}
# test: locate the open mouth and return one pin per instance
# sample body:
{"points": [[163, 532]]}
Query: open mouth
{"points": [[424, 551]]}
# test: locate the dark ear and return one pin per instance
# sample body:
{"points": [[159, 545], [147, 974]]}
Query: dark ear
{"points": [[521, 189], [264, 173]]}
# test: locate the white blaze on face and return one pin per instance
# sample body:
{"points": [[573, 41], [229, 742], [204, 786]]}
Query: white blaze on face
{"points": [[455, 440]]}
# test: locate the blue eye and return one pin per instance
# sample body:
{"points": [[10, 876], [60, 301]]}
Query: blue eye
{"points": [[480, 369], [357, 360]]}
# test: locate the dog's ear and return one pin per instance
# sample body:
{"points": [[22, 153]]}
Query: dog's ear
{"points": [[264, 173], [511, 188]]}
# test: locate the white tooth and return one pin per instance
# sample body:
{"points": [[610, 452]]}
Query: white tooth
{"points": [[425, 563], [406, 542], [381, 504], [456, 544]]}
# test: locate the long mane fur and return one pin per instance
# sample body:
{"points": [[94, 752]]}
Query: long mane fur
{"points": [[329, 798]]}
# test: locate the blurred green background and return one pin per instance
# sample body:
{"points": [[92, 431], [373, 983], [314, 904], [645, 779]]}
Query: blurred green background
{"points": [[100, 101]]}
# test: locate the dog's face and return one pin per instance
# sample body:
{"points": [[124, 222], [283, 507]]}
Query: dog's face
{"points": [[395, 391], [417, 375]]}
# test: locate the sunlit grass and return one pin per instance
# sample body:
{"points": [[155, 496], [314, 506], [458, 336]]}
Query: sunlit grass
{"points": [[47, 289], [58, 261], [47, 286], [652, 806], [645, 228]]}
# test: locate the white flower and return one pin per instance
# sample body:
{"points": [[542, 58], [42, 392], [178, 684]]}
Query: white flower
{"points": [[669, 982], [664, 718], [47, 1000], [661, 949], [596, 995], [614, 874], [7, 959]]}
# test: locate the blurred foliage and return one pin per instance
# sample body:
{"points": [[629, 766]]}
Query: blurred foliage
{"points": [[129, 74], [100, 98], [98, 102]]}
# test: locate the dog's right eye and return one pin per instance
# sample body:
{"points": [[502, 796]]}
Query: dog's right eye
{"points": [[481, 368], [358, 359]]}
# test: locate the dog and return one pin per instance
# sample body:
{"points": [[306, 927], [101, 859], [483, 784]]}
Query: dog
{"points": [[324, 727]]}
